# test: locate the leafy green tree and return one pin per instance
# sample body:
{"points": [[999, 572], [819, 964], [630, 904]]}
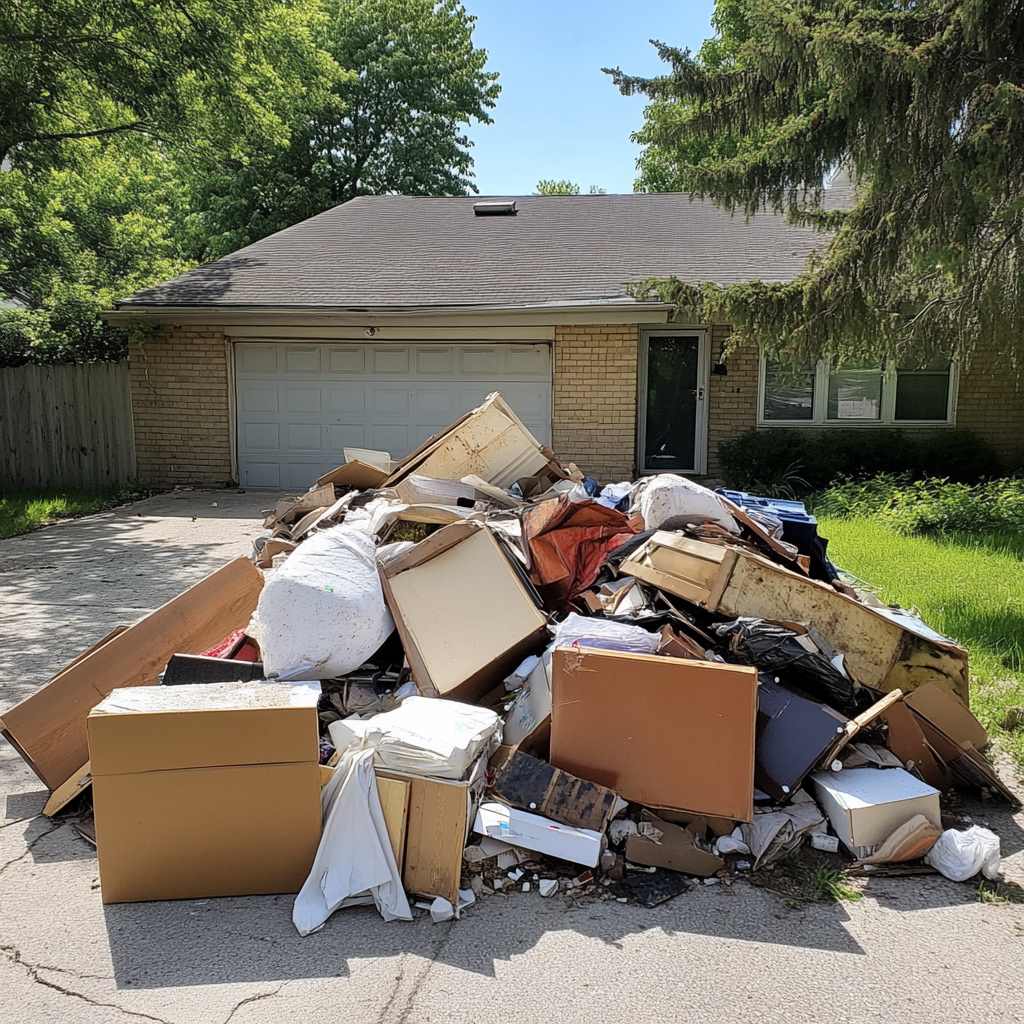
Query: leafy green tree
{"points": [[107, 110], [557, 187], [395, 124], [564, 187], [923, 104]]}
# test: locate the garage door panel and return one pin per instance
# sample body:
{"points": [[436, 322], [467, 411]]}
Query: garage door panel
{"points": [[300, 403], [345, 359], [302, 359], [253, 358], [260, 436], [435, 361], [300, 400], [303, 437], [345, 403], [391, 359]]}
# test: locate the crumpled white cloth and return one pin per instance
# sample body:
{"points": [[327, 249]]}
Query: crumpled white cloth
{"points": [[354, 862]]}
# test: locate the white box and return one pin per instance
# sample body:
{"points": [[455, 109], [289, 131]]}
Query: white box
{"points": [[866, 805], [520, 828]]}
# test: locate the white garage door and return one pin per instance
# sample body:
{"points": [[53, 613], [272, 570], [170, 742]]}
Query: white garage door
{"points": [[300, 403]]}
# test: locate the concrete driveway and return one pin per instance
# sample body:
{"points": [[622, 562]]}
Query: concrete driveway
{"points": [[912, 950]]}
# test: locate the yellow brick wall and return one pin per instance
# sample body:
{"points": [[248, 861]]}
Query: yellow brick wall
{"points": [[594, 398], [990, 402], [732, 397], [179, 387]]}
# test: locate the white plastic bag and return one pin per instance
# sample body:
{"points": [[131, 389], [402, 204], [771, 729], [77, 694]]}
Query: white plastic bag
{"points": [[354, 863], [321, 614], [670, 500], [961, 855], [423, 735]]}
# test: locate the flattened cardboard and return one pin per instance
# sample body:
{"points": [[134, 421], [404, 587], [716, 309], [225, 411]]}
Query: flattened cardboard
{"points": [[354, 475], [882, 651], [63, 795], [662, 732], [48, 727], [220, 798], [527, 782], [464, 615], [948, 714], [676, 850]]}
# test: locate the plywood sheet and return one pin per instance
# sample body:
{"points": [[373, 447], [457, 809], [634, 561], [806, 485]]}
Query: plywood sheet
{"points": [[394, 802], [435, 838], [48, 727]]}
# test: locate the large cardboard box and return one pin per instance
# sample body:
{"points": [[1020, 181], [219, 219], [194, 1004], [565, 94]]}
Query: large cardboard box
{"points": [[884, 649], [48, 727], [662, 732], [465, 614], [865, 806], [205, 790]]}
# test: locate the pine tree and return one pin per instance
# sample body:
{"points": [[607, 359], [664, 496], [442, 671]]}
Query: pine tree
{"points": [[922, 102]]}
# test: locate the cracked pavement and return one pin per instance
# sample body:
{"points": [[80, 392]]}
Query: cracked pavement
{"points": [[918, 949]]}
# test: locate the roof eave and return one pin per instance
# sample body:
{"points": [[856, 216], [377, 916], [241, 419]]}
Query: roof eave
{"points": [[617, 310]]}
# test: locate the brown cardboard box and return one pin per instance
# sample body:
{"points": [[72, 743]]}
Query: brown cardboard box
{"points": [[48, 727], [676, 849], [205, 790], [880, 652], [662, 732], [465, 615]]}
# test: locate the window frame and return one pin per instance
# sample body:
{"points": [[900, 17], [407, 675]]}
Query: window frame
{"points": [[887, 413]]}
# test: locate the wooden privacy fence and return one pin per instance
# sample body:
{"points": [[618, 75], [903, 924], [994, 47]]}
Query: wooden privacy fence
{"points": [[66, 426]]}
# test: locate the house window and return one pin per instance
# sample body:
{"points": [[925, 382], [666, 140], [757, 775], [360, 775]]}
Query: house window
{"points": [[788, 391], [856, 394]]}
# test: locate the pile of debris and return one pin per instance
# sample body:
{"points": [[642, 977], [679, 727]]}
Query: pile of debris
{"points": [[479, 671]]}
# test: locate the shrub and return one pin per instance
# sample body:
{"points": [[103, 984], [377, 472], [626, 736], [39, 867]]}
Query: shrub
{"points": [[790, 460], [928, 507]]}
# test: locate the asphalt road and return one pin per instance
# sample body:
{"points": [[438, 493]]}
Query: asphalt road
{"points": [[919, 949]]}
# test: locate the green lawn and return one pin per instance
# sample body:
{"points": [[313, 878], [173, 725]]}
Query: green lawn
{"points": [[23, 511], [968, 587]]}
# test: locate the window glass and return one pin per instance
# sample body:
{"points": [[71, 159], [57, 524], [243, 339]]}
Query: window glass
{"points": [[788, 391], [855, 392], [922, 394]]}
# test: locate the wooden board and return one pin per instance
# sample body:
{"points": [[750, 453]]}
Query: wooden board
{"points": [[394, 802], [48, 727], [435, 837]]}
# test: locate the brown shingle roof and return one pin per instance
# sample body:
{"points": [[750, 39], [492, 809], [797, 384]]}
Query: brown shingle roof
{"points": [[407, 251]]}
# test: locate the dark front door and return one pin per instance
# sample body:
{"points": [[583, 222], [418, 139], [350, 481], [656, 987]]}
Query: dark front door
{"points": [[673, 395]]}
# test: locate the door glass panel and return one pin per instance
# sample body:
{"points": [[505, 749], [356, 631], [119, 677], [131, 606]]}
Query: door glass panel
{"points": [[671, 423]]}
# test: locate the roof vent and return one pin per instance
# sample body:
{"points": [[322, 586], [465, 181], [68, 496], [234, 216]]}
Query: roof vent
{"points": [[495, 208]]}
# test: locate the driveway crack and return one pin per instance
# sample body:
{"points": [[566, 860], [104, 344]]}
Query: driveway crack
{"points": [[253, 999], [13, 954], [30, 845]]}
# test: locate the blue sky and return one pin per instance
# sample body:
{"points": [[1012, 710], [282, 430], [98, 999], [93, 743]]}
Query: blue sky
{"points": [[558, 116]]}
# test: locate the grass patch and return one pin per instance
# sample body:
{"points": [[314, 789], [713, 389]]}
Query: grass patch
{"points": [[833, 885], [999, 894], [970, 587], [24, 511]]}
